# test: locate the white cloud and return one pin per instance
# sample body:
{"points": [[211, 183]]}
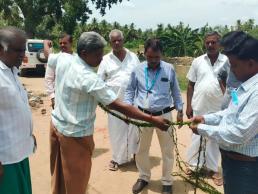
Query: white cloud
{"points": [[148, 13]]}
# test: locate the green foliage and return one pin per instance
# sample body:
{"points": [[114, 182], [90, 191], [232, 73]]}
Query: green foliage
{"points": [[183, 82], [34, 15]]}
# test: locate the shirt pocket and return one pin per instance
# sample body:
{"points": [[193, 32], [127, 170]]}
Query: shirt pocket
{"points": [[164, 85]]}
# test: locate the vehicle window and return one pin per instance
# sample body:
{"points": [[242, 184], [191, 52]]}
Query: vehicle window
{"points": [[35, 47]]}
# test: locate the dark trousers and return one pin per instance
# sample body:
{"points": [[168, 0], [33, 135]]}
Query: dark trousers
{"points": [[240, 177]]}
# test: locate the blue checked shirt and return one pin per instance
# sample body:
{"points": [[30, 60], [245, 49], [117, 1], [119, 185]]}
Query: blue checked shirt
{"points": [[164, 93], [78, 89], [236, 128]]}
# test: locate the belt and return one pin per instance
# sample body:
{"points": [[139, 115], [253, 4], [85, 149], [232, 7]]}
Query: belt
{"points": [[238, 156], [165, 110]]}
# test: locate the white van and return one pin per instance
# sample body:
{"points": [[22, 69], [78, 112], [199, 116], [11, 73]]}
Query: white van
{"points": [[34, 57]]}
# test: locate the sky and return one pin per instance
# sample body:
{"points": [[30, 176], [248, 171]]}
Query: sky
{"points": [[148, 13]]}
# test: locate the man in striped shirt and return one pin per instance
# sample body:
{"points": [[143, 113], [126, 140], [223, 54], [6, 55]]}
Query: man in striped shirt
{"points": [[78, 89], [235, 129]]}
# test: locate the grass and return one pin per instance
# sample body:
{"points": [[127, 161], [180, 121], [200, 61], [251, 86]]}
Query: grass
{"points": [[183, 82]]}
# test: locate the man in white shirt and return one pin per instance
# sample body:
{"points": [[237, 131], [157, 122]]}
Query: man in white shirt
{"points": [[16, 139], [115, 69], [204, 95], [65, 45]]}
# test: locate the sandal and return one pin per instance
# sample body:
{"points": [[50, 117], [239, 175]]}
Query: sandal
{"points": [[217, 179], [188, 172], [113, 166]]}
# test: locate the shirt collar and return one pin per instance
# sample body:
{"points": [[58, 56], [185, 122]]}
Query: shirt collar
{"points": [[78, 58], [250, 82], [3, 66], [146, 65], [220, 57]]}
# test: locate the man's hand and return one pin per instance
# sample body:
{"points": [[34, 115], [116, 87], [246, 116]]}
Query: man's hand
{"points": [[195, 121], [53, 102], [161, 123], [189, 112], [48, 43], [1, 171], [179, 117]]}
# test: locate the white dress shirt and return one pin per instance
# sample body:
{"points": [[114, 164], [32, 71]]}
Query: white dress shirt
{"points": [[16, 140], [117, 73], [207, 96]]}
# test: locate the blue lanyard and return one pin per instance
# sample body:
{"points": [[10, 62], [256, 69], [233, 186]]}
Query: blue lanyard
{"points": [[234, 97], [147, 79]]}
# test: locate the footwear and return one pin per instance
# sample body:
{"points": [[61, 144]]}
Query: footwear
{"points": [[113, 166], [217, 179], [167, 189], [139, 185]]}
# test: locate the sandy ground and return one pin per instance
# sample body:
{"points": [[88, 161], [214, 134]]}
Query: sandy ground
{"points": [[102, 180]]}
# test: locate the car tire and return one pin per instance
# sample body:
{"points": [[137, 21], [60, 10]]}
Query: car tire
{"points": [[39, 56]]}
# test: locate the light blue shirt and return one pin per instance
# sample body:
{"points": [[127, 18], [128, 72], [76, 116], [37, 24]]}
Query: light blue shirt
{"points": [[78, 89], [236, 128], [164, 93]]}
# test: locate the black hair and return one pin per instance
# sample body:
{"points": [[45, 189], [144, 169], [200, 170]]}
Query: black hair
{"points": [[154, 44], [63, 35], [240, 44]]}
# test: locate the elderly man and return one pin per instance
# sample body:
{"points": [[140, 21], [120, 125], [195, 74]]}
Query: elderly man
{"points": [[16, 139], [78, 90], [235, 128], [115, 69], [153, 87], [65, 45], [204, 95]]}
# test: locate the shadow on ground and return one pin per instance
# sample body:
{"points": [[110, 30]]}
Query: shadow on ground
{"points": [[99, 151]]}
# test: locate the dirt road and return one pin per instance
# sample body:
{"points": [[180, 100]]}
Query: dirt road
{"points": [[102, 181]]}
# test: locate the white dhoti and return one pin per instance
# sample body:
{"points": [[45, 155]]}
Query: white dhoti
{"points": [[208, 99], [210, 159], [123, 139]]}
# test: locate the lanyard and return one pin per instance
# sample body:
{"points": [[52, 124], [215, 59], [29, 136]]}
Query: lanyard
{"points": [[153, 81], [234, 97]]}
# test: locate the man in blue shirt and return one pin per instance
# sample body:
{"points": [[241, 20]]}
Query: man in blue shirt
{"points": [[235, 128], [153, 87]]}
